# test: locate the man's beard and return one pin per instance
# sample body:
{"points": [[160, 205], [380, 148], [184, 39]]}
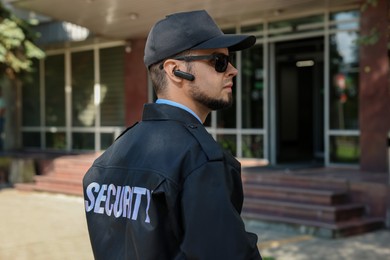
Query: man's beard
{"points": [[211, 103]]}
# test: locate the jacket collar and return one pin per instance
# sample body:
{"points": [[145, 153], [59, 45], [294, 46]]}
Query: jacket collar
{"points": [[167, 112]]}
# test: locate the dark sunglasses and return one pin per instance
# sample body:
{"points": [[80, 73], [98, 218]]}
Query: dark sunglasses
{"points": [[220, 61]]}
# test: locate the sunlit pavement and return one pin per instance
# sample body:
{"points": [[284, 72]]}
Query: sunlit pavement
{"points": [[286, 245], [40, 226]]}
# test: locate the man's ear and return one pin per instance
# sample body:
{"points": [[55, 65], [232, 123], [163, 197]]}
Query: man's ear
{"points": [[170, 66]]}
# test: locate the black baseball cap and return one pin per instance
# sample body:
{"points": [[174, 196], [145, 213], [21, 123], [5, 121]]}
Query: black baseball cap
{"points": [[194, 30]]}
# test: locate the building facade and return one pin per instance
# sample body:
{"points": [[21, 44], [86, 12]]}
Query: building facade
{"points": [[309, 92]]}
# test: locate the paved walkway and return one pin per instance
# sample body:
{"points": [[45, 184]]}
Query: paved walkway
{"points": [[284, 245], [44, 226]]}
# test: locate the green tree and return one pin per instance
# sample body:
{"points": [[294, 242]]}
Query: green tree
{"points": [[16, 44], [17, 50]]}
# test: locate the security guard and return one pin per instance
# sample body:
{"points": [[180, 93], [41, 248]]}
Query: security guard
{"points": [[165, 189]]}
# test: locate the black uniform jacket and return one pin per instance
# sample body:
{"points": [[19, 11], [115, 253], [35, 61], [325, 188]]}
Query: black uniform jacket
{"points": [[166, 190]]}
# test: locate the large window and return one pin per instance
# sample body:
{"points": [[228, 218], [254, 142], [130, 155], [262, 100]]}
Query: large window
{"points": [[82, 106], [344, 88]]}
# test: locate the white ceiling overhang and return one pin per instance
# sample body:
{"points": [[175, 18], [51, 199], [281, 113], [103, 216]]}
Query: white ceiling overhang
{"points": [[126, 19]]}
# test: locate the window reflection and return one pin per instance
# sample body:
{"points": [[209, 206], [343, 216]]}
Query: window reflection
{"points": [[252, 146], [252, 87], [344, 81], [112, 79], [344, 149], [227, 118], [344, 87], [83, 89], [55, 90], [228, 142], [31, 97]]}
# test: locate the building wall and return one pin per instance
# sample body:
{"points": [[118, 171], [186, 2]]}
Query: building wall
{"points": [[374, 90], [136, 82]]}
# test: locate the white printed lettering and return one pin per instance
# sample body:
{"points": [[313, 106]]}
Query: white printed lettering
{"points": [[111, 190], [147, 220], [89, 191], [127, 197], [139, 191], [101, 197], [118, 201]]}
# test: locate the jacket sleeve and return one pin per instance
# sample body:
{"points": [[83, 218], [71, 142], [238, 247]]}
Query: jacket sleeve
{"points": [[211, 205]]}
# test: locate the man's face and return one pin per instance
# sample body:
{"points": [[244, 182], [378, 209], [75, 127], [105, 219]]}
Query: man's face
{"points": [[210, 88]]}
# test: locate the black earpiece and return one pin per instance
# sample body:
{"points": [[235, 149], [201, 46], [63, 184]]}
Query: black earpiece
{"points": [[184, 75]]}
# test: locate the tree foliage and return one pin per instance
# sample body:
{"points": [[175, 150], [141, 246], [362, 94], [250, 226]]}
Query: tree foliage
{"points": [[17, 48]]}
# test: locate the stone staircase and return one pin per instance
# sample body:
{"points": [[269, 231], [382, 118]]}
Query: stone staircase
{"points": [[63, 174], [321, 207]]}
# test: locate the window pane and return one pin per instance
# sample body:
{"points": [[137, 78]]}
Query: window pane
{"points": [[55, 90], [83, 107], [345, 20], [305, 24], [56, 140], [344, 149], [31, 140], [112, 86], [252, 28], [252, 87], [83, 141], [207, 122], [226, 118], [31, 97], [344, 87], [252, 146], [106, 140], [228, 142]]}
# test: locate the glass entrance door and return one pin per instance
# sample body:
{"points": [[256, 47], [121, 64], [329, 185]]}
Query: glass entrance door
{"points": [[298, 101]]}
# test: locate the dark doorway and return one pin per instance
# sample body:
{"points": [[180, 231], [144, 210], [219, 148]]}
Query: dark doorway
{"points": [[299, 101]]}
